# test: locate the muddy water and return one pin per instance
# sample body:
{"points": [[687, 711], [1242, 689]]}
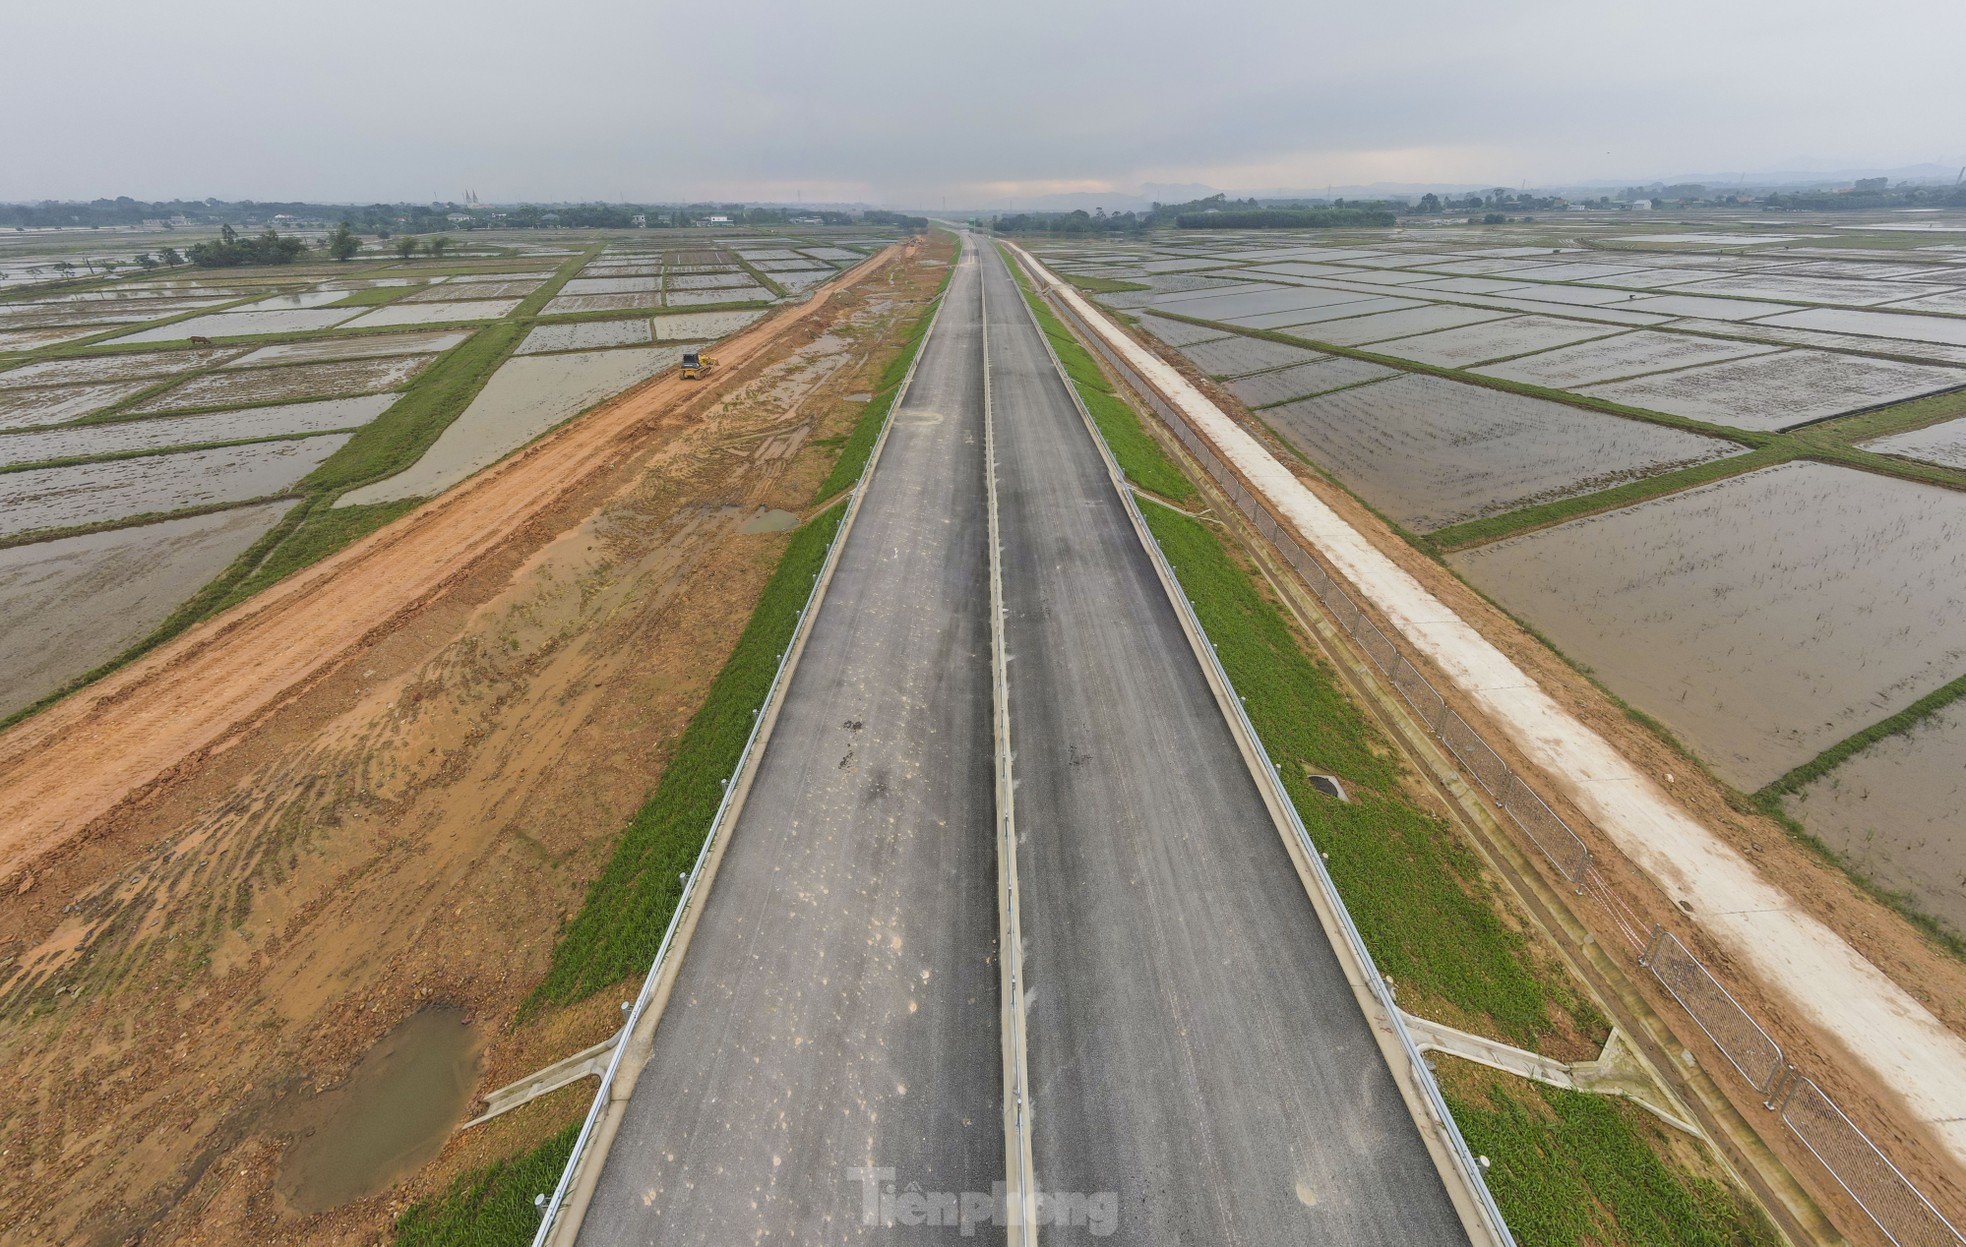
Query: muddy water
{"points": [[389, 1118], [769, 522], [1894, 813], [93, 492], [1762, 618]]}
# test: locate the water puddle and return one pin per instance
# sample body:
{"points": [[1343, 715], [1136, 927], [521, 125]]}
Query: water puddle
{"points": [[769, 522], [389, 1118]]}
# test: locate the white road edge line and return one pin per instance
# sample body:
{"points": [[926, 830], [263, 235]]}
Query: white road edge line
{"points": [[560, 1221], [1453, 1159], [1021, 1188]]}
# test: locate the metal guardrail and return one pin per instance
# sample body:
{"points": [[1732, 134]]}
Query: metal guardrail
{"points": [[550, 1214], [1423, 1074], [1892, 1201]]}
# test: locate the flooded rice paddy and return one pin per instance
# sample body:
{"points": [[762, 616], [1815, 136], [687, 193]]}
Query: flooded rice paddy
{"points": [[1780, 391], [1943, 443], [24, 408], [1762, 618], [1334, 372], [245, 324], [233, 387], [528, 395], [70, 605], [700, 326], [1893, 812], [586, 335], [1430, 452], [1238, 356], [1616, 358], [96, 369], [1478, 344], [424, 343], [124, 436], [434, 313], [92, 493]]}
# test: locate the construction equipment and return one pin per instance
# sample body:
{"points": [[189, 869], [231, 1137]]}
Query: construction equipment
{"points": [[697, 365]]}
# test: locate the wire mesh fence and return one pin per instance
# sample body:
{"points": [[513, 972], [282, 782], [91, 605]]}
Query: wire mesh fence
{"points": [[1892, 1201], [1865, 1173]]}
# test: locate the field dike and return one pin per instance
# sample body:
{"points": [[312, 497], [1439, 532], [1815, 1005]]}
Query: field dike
{"points": [[394, 807]]}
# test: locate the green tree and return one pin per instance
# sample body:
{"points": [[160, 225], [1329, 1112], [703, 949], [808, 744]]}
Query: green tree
{"points": [[440, 244], [147, 260], [170, 256], [342, 243], [406, 246]]}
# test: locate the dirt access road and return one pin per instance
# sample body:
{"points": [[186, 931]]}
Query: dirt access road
{"points": [[399, 816], [67, 767]]}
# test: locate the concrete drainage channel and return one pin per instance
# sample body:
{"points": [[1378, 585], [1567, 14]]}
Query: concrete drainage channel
{"points": [[561, 1212]]}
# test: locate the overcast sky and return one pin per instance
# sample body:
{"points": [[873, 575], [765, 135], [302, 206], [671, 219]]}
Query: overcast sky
{"points": [[908, 103]]}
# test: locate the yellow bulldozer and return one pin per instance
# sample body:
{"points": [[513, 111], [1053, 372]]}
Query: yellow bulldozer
{"points": [[697, 365]]}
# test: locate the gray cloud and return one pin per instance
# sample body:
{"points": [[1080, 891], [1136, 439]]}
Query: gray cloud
{"points": [[906, 103]]}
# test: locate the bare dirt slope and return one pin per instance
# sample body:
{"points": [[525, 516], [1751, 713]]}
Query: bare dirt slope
{"points": [[234, 865]]}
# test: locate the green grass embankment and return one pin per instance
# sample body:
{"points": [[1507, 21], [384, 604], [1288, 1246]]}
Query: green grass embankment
{"points": [[491, 1206]]}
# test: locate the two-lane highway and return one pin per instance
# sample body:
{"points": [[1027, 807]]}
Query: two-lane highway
{"points": [[837, 1009], [1195, 1048]]}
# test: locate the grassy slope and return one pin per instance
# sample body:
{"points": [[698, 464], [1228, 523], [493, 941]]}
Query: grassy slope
{"points": [[1571, 1168], [620, 926], [492, 1205]]}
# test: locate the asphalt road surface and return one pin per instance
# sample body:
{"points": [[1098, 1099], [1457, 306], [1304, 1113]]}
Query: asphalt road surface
{"points": [[838, 1008], [1195, 1050]]}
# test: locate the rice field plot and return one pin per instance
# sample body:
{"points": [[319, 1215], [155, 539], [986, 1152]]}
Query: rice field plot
{"points": [[295, 301], [1333, 372], [1840, 290], [803, 280], [459, 291], [1173, 332], [70, 605], [528, 395], [1950, 302], [1782, 390], [1493, 339], [1250, 300], [1237, 356], [91, 493], [434, 313], [1904, 326], [246, 324], [586, 336], [569, 304], [1619, 356], [611, 285], [1469, 285], [831, 253], [103, 316], [1575, 296], [701, 326], [281, 383], [791, 266], [1708, 308], [1300, 269], [101, 369], [1943, 444], [164, 432], [30, 339], [1430, 452], [1583, 272], [1761, 618], [427, 342], [734, 294], [1179, 265], [1355, 305], [774, 254], [717, 281], [1893, 812], [25, 408], [624, 268], [1383, 326]]}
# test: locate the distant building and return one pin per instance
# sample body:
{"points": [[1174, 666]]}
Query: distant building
{"points": [[640, 220], [716, 220], [1641, 205], [459, 218]]}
